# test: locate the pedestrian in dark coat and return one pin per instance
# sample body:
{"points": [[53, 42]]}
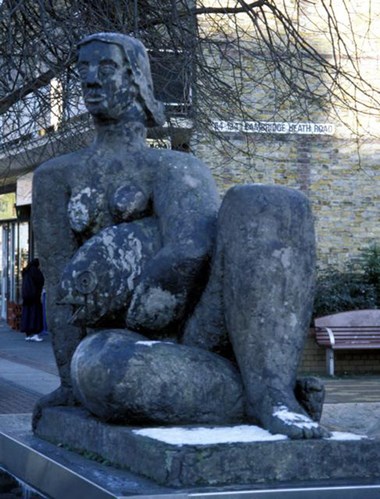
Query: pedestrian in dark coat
{"points": [[32, 314]]}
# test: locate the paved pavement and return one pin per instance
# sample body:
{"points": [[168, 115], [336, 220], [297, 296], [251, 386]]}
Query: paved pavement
{"points": [[28, 370]]}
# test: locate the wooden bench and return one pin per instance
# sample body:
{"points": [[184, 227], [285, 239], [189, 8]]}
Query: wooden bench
{"points": [[356, 330]]}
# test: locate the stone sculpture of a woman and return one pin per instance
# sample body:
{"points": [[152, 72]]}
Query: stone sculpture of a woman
{"points": [[165, 307]]}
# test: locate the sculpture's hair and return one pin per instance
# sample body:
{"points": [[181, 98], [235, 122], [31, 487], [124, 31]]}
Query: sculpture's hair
{"points": [[138, 60]]}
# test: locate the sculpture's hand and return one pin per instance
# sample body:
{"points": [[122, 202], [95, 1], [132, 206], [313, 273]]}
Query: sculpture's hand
{"points": [[154, 308]]}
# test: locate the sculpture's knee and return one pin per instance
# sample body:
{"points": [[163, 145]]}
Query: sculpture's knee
{"points": [[266, 211]]}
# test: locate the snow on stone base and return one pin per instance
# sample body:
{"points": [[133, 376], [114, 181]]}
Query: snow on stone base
{"points": [[222, 435]]}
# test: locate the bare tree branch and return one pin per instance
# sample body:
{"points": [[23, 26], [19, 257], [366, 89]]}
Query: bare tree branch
{"points": [[284, 59]]}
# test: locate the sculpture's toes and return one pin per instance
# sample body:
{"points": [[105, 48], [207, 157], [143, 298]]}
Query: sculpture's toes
{"points": [[317, 432]]}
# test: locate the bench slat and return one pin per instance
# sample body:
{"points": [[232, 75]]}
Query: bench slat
{"points": [[362, 339], [352, 346], [349, 337]]}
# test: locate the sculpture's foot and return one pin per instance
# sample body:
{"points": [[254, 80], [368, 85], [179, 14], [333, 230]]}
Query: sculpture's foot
{"points": [[281, 413], [310, 393], [61, 396]]}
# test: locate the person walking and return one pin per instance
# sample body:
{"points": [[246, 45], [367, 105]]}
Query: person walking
{"points": [[32, 313]]}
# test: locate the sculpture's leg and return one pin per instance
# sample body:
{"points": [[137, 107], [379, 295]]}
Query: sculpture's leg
{"points": [[122, 377], [268, 282]]}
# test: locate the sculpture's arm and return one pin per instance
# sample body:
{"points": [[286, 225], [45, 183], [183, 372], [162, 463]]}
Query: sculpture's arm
{"points": [[54, 238], [186, 203], [55, 244]]}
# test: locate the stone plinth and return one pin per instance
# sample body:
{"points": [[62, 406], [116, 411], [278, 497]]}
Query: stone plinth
{"points": [[194, 464]]}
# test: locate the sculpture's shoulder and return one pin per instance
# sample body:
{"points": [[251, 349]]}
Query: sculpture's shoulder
{"points": [[176, 160], [60, 166], [180, 167], [180, 179]]}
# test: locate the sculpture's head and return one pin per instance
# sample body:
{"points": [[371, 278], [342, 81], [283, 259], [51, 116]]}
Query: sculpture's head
{"points": [[116, 79]]}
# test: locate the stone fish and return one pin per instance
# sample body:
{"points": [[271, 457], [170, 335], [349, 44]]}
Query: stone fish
{"points": [[102, 274]]}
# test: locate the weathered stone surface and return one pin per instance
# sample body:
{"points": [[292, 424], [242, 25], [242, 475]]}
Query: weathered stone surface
{"points": [[120, 379], [217, 464]]}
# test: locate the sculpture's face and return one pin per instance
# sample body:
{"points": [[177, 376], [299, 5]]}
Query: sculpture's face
{"points": [[107, 84]]}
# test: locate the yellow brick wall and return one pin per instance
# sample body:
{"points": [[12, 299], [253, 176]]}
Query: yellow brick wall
{"points": [[344, 194]]}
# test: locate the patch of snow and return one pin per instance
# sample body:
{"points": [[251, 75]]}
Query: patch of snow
{"points": [[148, 343], [224, 434], [294, 418], [205, 436], [341, 435]]}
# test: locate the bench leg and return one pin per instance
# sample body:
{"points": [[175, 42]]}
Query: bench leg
{"points": [[330, 361]]}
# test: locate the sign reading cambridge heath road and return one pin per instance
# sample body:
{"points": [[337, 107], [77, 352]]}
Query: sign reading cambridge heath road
{"points": [[273, 127]]}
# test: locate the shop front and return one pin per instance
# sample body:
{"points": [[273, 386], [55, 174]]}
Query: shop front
{"points": [[15, 247]]}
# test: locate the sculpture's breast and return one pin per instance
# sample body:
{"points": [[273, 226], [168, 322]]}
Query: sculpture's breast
{"points": [[129, 202], [86, 210]]}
